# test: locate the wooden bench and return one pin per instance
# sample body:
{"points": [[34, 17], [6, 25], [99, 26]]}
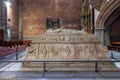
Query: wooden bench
{"points": [[27, 42], [115, 45], [14, 44]]}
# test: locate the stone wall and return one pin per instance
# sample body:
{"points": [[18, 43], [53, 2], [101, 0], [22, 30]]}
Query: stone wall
{"points": [[3, 18], [36, 12], [13, 19], [3, 15]]}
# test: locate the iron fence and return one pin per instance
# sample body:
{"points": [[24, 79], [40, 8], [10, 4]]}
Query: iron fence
{"points": [[63, 61]]}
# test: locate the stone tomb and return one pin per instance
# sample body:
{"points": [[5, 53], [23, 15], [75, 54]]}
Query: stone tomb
{"points": [[65, 44]]}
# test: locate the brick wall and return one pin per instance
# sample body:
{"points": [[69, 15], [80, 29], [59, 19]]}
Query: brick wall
{"points": [[35, 13]]}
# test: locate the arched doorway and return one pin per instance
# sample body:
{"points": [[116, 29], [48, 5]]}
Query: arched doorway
{"points": [[115, 30], [112, 27], [108, 15]]}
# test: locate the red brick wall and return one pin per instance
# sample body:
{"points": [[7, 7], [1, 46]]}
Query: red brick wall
{"points": [[35, 13]]}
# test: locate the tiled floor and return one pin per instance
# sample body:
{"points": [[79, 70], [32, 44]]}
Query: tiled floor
{"points": [[15, 71]]}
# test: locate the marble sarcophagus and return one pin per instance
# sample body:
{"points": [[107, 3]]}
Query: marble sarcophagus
{"points": [[66, 45]]}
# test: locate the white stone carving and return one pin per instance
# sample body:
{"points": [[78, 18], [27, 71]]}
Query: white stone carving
{"points": [[66, 45]]}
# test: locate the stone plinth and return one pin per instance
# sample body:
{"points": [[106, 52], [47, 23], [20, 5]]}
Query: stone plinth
{"points": [[66, 45]]}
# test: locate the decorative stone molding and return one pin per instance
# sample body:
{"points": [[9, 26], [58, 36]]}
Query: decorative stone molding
{"points": [[96, 4], [106, 11], [66, 45]]}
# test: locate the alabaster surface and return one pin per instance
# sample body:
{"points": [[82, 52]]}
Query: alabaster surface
{"points": [[66, 45]]}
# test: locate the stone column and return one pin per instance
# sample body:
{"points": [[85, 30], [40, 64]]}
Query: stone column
{"points": [[3, 18], [20, 20], [107, 36], [99, 32], [0, 14]]}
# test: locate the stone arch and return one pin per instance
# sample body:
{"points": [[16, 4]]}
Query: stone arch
{"points": [[106, 12], [107, 15]]}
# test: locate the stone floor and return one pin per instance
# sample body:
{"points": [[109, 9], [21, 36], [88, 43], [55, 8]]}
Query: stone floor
{"points": [[15, 71], [115, 56], [26, 75]]}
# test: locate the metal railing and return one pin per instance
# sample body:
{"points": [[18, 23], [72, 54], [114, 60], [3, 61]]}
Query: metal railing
{"points": [[53, 61]]}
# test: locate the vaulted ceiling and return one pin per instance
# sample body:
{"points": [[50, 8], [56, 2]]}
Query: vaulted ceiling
{"points": [[96, 4]]}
